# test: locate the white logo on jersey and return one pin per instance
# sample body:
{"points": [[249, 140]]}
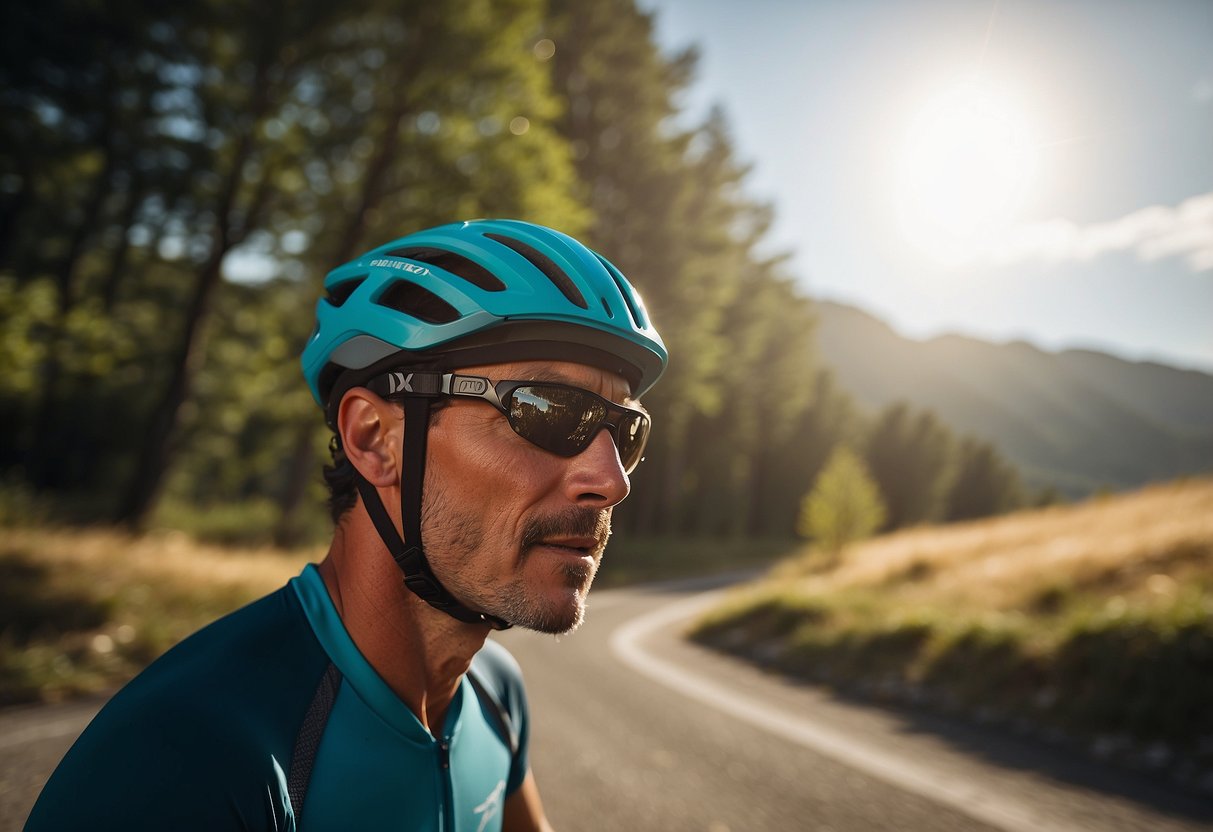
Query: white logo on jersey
{"points": [[490, 807]]}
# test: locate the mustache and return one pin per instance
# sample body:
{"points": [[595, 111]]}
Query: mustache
{"points": [[574, 522]]}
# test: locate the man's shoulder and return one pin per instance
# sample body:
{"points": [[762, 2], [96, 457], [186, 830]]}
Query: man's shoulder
{"points": [[244, 657], [496, 667], [216, 714]]}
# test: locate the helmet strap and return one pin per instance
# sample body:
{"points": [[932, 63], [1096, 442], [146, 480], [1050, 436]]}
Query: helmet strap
{"points": [[410, 557]]}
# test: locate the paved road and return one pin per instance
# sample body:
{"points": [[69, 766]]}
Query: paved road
{"points": [[636, 730], [716, 746], [32, 741]]}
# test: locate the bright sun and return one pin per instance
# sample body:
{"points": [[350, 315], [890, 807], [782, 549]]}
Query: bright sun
{"points": [[965, 170]]}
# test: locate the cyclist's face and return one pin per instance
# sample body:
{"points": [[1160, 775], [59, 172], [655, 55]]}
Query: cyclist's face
{"points": [[509, 528]]}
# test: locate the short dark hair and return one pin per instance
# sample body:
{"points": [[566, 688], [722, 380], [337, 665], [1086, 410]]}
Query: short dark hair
{"points": [[340, 476]]}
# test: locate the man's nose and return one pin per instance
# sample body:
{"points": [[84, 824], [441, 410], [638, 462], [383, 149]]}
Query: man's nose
{"points": [[596, 478]]}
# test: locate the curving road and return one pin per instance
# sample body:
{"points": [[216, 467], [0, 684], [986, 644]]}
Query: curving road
{"points": [[635, 730]]}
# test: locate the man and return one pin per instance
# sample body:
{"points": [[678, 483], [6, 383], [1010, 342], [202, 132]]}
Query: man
{"points": [[481, 381]]}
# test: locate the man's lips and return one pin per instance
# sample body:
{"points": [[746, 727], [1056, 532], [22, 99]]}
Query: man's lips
{"points": [[578, 545]]}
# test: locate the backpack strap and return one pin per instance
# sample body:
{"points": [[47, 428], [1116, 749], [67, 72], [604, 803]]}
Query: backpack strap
{"points": [[308, 738]]}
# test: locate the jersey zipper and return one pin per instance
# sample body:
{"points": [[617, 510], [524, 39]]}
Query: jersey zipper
{"points": [[448, 794]]}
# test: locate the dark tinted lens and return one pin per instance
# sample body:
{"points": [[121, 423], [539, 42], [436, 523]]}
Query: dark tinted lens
{"points": [[630, 439], [558, 419]]}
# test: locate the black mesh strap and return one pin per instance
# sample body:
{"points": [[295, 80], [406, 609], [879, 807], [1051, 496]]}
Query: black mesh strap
{"points": [[308, 739], [497, 711], [409, 553], [416, 437]]}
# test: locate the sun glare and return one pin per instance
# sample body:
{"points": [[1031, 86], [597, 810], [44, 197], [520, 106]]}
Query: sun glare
{"points": [[964, 171]]}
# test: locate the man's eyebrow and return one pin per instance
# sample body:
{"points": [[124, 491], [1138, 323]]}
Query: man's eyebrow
{"points": [[548, 375]]}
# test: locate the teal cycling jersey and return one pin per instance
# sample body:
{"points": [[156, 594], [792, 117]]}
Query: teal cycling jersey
{"points": [[271, 719]]}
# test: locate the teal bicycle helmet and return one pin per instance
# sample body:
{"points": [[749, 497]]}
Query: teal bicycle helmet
{"points": [[478, 292]]}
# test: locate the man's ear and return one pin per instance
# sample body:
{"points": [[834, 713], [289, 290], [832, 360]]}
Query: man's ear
{"points": [[371, 434]]}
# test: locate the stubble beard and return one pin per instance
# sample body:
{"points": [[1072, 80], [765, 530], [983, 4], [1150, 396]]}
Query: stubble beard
{"points": [[459, 540], [521, 606]]}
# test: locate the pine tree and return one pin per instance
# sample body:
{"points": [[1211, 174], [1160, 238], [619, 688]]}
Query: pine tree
{"points": [[844, 506], [985, 483], [911, 456], [792, 465]]}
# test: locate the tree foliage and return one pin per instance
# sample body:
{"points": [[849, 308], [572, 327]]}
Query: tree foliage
{"points": [[911, 456], [844, 505], [984, 484], [177, 179]]}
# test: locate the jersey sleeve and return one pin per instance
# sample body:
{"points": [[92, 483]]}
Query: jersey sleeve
{"points": [[200, 740], [180, 771]]}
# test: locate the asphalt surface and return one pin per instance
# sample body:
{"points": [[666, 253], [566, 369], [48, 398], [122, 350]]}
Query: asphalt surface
{"points": [[634, 729], [32, 741]]}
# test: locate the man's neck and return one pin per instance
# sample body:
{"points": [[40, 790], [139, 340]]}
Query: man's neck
{"points": [[419, 651]]}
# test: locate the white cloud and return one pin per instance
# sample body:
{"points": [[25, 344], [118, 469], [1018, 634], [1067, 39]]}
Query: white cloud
{"points": [[1153, 233]]}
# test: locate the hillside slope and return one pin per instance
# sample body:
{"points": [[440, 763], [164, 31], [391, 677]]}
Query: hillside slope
{"points": [[1080, 420], [1093, 620]]}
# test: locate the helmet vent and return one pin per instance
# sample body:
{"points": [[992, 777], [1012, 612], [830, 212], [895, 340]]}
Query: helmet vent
{"points": [[606, 308], [418, 302], [456, 264], [626, 292], [544, 263], [340, 293]]}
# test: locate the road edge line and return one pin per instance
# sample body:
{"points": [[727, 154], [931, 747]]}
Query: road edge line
{"points": [[974, 801]]}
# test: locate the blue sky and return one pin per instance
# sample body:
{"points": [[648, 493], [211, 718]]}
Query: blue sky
{"points": [[1002, 169]]}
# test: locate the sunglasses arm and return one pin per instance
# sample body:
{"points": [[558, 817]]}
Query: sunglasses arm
{"points": [[474, 387], [400, 383]]}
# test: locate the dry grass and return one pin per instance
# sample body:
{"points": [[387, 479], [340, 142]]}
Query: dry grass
{"points": [[1001, 563], [83, 611], [1135, 546], [168, 558], [1095, 620]]}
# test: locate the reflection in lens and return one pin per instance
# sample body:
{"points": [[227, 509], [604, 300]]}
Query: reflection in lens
{"points": [[633, 431], [557, 419], [523, 395], [564, 420]]}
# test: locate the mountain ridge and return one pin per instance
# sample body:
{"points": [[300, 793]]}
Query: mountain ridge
{"points": [[1078, 419]]}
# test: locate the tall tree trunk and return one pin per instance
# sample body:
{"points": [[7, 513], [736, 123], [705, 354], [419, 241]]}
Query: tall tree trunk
{"points": [[303, 457], [300, 472], [135, 192], [153, 460], [118, 258], [154, 456], [669, 509], [46, 466], [756, 494], [10, 214]]}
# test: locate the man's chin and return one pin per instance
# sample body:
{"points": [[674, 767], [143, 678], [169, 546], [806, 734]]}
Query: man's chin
{"points": [[558, 625], [548, 596], [555, 613]]}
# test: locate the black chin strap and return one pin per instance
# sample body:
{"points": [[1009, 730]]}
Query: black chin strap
{"points": [[418, 576]]}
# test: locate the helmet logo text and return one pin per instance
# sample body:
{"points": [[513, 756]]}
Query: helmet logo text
{"points": [[400, 265]]}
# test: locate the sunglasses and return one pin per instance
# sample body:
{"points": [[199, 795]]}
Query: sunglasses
{"points": [[559, 418]]}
